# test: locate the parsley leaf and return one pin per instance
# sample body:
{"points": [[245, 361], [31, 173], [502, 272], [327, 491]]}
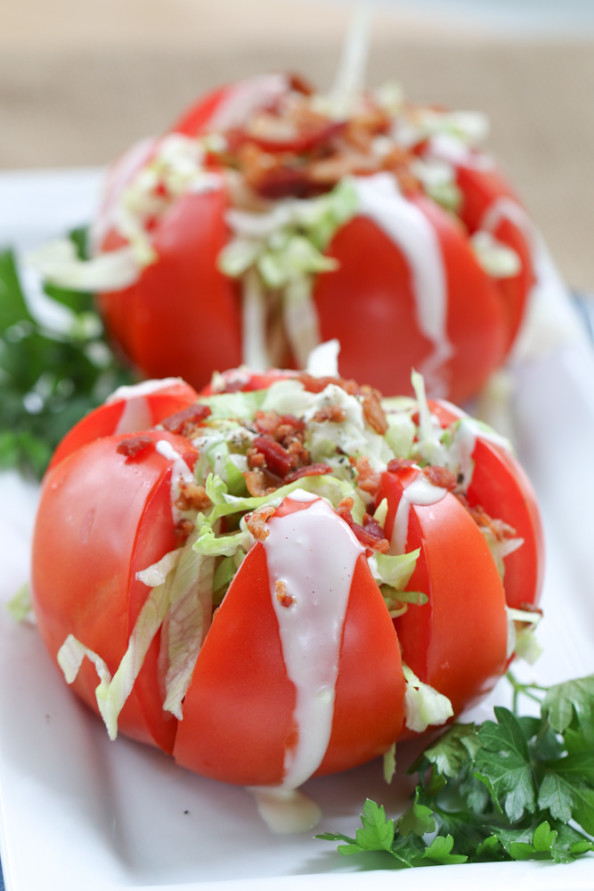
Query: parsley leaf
{"points": [[514, 788], [50, 375]]}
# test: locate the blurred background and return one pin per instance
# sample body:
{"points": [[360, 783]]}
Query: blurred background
{"points": [[81, 79]]}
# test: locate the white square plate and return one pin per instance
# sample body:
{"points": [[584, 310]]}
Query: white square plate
{"points": [[79, 812]]}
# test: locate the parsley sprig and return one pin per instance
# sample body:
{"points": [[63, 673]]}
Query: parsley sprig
{"points": [[50, 376], [519, 787]]}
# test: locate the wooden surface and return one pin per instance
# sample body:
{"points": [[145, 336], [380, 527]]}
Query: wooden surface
{"points": [[80, 81]]}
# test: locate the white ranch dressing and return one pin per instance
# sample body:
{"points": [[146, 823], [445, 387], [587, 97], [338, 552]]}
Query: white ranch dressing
{"points": [[286, 811], [180, 472], [136, 413], [505, 208], [312, 553], [380, 200], [421, 492]]}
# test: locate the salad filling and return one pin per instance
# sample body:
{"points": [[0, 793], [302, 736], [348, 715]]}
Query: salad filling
{"points": [[295, 166], [286, 467]]}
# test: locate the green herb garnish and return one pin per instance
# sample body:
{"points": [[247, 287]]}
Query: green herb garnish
{"points": [[50, 375], [516, 788]]}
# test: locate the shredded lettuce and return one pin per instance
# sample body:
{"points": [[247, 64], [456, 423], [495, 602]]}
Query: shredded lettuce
{"points": [[424, 706], [20, 606], [281, 250], [393, 570], [112, 692], [186, 623], [389, 764], [521, 634], [496, 258]]}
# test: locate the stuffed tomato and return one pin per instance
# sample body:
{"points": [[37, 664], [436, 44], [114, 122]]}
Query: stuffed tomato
{"points": [[285, 576], [275, 218]]}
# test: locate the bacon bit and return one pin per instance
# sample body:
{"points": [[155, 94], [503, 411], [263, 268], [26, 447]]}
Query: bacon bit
{"points": [[284, 598], [283, 428], [182, 530], [500, 529], [185, 422], [192, 496], [328, 171], [308, 470], [299, 84], [257, 520], [276, 457], [368, 479], [373, 412], [134, 446], [397, 464], [370, 534], [441, 476], [332, 413], [317, 384], [261, 482]]}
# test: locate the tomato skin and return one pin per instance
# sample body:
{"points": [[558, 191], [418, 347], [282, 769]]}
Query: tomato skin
{"points": [[502, 488], [364, 700], [106, 514], [238, 709], [485, 191], [103, 517], [181, 317], [127, 414], [454, 563], [238, 712], [160, 321], [370, 263]]}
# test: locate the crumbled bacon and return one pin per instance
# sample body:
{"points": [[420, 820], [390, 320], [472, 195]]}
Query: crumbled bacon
{"points": [[370, 534], [284, 598], [257, 520], [278, 450], [185, 422], [368, 479], [283, 428], [373, 412], [192, 496], [182, 530], [276, 457], [500, 529], [396, 464], [332, 413], [317, 469], [291, 148], [441, 476], [261, 482], [316, 384], [133, 446]]}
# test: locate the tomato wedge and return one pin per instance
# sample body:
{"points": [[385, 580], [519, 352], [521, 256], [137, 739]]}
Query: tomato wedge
{"points": [[128, 410], [103, 517], [500, 486], [456, 572]]}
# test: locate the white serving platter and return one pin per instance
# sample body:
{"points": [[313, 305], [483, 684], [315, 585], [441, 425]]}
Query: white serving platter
{"points": [[79, 812]]}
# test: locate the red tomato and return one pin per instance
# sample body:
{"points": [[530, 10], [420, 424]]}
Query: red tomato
{"points": [[183, 316], [195, 329], [103, 517], [369, 263], [127, 411], [501, 487], [110, 508], [453, 564]]}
